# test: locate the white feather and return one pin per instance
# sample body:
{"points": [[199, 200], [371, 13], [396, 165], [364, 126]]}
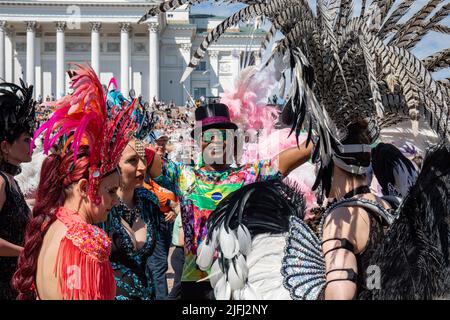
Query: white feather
{"points": [[264, 268], [237, 294], [234, 277], [228, 243], [216, 273], [205, 255], [28, 179], [215, 237], [241, 267], [222, 290], [249, 293], [186, 74], [245, 239]]}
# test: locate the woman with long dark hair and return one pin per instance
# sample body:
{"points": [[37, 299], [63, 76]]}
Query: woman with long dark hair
{"points": [[133, 227], [17, 116], [65, 256]]}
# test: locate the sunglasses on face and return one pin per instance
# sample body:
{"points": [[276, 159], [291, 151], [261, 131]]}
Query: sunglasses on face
{"points": [[216, 135]]}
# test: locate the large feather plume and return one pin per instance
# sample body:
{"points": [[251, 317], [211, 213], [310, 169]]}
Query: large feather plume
{"points": [[83, 116], [17, 110], [361, 61], [247, 100]]}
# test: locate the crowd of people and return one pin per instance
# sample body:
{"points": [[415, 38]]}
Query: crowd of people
{"points": [[95, 187], [108, 205]]}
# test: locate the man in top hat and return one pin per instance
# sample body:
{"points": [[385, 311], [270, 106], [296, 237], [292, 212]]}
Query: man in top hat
{"points": [[201, 188]]}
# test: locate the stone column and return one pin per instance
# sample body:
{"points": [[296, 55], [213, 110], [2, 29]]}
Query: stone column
{"points": [[38, 65], [95, 46], [125, 28], [2, 48], [153, 58], [9, 56], [214, 72], [31, 36], [60, 65], [186, 53]]}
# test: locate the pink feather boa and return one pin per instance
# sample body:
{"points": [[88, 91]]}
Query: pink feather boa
{"points": [[247, 100]]}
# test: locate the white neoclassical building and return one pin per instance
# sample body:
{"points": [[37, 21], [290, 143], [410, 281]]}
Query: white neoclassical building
{"points": [[38, 39]]}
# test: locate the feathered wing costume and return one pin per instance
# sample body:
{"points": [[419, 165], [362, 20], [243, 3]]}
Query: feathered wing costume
{"points": [[395, 173], [83, 117], [266, 251], [348, 66], [248, 229], [414, 259]]}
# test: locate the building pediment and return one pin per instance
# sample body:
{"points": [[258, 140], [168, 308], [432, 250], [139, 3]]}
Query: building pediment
{"points": [[81, 3]]}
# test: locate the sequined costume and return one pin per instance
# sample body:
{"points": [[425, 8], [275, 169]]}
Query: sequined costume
{"points": [[129, 264], [14, 217], [17, 117]]}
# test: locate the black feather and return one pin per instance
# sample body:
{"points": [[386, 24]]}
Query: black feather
{"points": [[414, 257], [17, 110], [385, 158], [263, 207]]}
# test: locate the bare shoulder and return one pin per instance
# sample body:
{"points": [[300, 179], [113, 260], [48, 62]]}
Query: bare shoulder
{"points": [[52, 240], [46, 280], [344, 216], [374, 198], [55, 233]]}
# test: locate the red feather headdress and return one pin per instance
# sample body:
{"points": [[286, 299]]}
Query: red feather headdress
{"points": [[83, 115]]}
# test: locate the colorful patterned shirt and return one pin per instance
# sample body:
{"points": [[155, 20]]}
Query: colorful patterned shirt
{"points": [[200, 191]]}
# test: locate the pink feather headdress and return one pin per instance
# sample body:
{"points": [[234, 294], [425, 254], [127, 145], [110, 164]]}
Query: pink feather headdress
{"points": [[83, 115], [247, 99]]}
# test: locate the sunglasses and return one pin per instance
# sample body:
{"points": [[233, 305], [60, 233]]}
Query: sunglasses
{"points": [[219, 135]]}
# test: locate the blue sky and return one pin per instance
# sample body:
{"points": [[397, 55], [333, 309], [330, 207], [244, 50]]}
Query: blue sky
{"points": [[219, 10], [431, 43]]}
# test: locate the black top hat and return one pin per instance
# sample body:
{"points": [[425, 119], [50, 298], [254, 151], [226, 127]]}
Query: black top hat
{"points": [[213, 115]]}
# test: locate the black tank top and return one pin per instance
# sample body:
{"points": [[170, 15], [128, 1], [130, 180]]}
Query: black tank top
{"points": [[14, 217]]}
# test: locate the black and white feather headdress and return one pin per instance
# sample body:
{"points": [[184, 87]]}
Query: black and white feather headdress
{"points": [[17, 110], [349, 64]]}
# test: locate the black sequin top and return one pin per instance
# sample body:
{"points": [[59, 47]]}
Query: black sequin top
{"points": [[14, 217]]}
